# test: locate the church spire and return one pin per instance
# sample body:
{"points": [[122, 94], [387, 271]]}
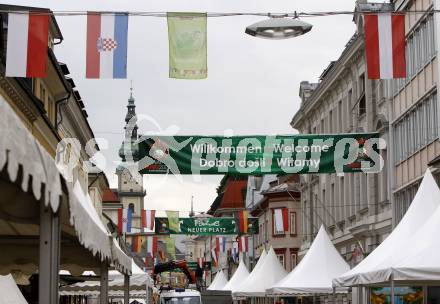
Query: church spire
{"points": [[131, 128], [191, 213], [130, 118]]}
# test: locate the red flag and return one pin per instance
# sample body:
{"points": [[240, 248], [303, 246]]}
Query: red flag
{"points": [[385, 45]]}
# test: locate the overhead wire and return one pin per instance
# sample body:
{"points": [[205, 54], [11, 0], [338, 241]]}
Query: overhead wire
{"points": [[162, 14]]}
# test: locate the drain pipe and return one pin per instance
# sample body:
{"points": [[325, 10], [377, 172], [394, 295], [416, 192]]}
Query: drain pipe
{"points": [[57, 109]]}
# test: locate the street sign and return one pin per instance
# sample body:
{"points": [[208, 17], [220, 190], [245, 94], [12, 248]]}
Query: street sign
{"points": [[205, 226], [255, 155]]}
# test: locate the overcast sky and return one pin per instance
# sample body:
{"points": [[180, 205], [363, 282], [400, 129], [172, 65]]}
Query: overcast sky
{"points": [[252, 85]]}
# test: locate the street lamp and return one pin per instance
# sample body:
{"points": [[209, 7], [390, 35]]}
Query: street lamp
{"points": [[278, 27]]}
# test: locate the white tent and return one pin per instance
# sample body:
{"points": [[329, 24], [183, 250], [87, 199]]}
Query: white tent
{"points": [[413, 234], [139, 281], [10, 294], [219, 281], [314, 274], [239, 275], [262, 277]]}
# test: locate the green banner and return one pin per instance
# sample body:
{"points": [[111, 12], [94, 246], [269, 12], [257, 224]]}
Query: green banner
{"points": [[171, 247], [173, 220], [205, 226], [255, 155], [187, 45]]}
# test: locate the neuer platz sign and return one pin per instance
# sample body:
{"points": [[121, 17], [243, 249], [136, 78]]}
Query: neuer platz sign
{"points": [[255, 155]]}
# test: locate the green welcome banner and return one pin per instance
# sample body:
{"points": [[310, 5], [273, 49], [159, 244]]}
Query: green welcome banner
{"points": [[255, 155], [204, 226]]}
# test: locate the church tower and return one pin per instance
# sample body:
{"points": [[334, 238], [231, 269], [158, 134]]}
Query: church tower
{"points": [[131, 193]]}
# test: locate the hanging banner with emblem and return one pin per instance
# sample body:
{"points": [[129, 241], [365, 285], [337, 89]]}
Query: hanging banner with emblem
{"points": [[255, 155], [205, 226]]}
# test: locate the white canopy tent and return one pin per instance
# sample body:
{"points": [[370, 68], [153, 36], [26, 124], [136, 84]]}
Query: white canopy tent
{"points": [[139, 281], [314, 274], [10, 294], [262, 277], [239, 275], [219, 281], [409, 253]]}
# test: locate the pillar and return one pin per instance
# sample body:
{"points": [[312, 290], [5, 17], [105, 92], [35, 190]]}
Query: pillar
{"points": [[49, 260]]}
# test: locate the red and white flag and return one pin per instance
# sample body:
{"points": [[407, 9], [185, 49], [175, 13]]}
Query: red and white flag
{"points": [[148, 217], [214, 255], [28, 35], [281, 218], [152, 245], [385, 45], [243, 244]]}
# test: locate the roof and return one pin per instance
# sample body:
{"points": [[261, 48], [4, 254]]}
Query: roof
{"points": [[110, 196], [234, 194]]}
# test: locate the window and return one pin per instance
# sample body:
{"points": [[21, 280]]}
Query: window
{"points": [[293, 223], [349, 116], [362, 106], [274, 227], [341, 117], [330, 121], [421, 123], [293, 260], [420, 49], [403, 200], [280, 257]]}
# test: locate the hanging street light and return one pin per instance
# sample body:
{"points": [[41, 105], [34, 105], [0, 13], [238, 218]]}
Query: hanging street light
{"points": [[278, 27]]}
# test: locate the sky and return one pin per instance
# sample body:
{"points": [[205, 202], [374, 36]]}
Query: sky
{"points": [[252, 86]]}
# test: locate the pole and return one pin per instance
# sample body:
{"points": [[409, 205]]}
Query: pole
{"points": [[334, 295], [392, 291], [103, 296], [49, 260], [126, 288]]}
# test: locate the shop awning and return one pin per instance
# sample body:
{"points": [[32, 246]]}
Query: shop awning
{"points": [[410, 252], [26, 170]]}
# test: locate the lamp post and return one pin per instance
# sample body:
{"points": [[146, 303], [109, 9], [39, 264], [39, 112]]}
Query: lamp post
{"points": [[278, 27]]}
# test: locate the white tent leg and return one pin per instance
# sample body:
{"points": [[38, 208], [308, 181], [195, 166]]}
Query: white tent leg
{"points": [[126, 289], [103, 295], [49, 261]]}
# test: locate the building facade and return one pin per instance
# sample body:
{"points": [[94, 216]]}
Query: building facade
{"points": [[355, 208], [281, 192], [414, 104]]}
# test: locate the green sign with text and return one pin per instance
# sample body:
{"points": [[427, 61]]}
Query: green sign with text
{"points": [[205, 226], [255, 155]]}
